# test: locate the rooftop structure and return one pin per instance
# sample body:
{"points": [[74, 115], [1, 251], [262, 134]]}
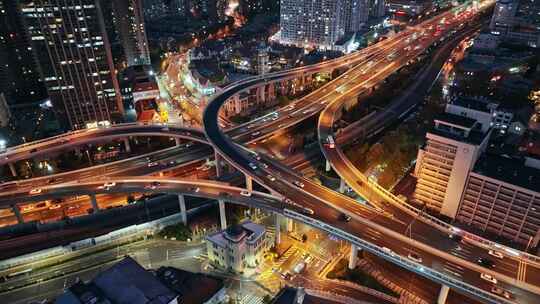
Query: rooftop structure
{"points": [[238, 247]]}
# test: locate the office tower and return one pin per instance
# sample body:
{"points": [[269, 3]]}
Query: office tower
{"points": [[74, 53], [19, 72], [129, 22], [503, 16], [452, 147]]}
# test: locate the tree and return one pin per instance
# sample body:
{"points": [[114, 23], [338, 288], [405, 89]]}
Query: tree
{"points": [[304, 238], [267, 299]]}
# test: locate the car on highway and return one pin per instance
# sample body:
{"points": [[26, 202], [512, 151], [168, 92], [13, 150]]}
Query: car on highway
{"points": [[456, 237], [153, 164], [109, 184], [388, 250], [344, 217], [298, 184], [308, 211], [271, 178], [501, 292], [256, 133], [52, 180], [496, 254], [486, 262], [55, 206], [152, 185], [415, 257], [33, 150], [488, 278], [35, 191], [245, 193], [197, 189], [264, 165], [252, 166]]}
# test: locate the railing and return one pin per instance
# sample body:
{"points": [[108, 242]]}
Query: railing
{"points": [[397, 259], [339, 298], [451, 229], [364, 289]]}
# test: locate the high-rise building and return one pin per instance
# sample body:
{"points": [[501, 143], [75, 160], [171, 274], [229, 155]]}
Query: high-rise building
{"points": [[451, 150], [321, 23], [129, 22], [19, 72], [377, 8], [74, 54], [503, 16]]}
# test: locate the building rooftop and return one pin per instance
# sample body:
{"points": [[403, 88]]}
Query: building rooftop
{"points": [[192, 288], [481, 105], [462, 129], [509, 170], [456, 120], [247, 229], [126, 282]]}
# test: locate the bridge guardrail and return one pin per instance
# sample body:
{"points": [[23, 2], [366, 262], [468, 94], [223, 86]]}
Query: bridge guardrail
{"points": [[397, 259]]}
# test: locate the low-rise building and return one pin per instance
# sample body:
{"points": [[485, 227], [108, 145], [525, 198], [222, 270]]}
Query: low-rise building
{"points": [[238, 247], [127, 282], [487, 114]]}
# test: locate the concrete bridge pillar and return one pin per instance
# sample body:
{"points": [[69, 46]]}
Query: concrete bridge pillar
{"points": [[217, 158], [290, 225], [126, 144], [249, 183], [327, 166], [443, 294], [17, 213], [95, 205], [353, 259], [183, 212], [12, 169], [342, 186], [177, 141], [278, 229], [222, 215]]}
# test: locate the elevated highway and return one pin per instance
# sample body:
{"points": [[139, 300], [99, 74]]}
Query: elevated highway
{"points": [[395, 243]]}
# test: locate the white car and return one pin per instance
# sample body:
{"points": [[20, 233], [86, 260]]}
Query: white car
{"points": [[153, 164], [415, 257], [271, 178], [388, 250], [255, 133], [35, 191], [496, 254], [488, 278], [109, 184], [245, 193], [298, 184], [253, 166]]}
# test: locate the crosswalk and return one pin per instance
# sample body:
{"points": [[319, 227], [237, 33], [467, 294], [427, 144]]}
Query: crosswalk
{"points": [[251, 299]]}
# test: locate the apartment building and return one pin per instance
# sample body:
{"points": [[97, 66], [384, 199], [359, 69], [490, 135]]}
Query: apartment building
{"points": [[502, 197], [452, 147]]}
